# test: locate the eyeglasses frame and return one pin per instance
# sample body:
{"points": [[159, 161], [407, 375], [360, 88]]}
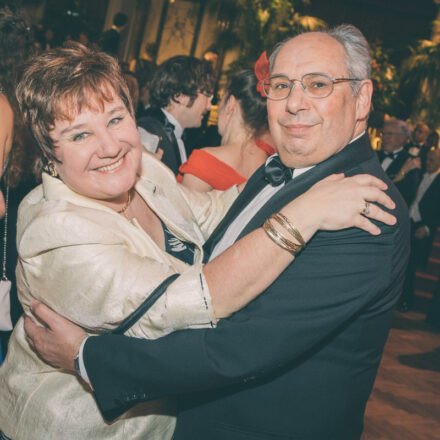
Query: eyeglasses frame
{"points": [[304, 88]]}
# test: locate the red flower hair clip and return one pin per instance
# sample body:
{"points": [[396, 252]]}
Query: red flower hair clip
{"points": [[262, 72]]}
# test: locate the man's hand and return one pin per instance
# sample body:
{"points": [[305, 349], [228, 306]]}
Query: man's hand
{"points": [[57, 344]]}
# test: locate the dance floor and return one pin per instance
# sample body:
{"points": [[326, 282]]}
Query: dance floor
{"points": [[405, 402]]}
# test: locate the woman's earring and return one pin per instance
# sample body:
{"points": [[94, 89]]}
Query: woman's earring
{"points": [[50, 169]]}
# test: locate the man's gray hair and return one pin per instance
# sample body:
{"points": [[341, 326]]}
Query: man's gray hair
{"points": [[402, 126], [357, 52]]}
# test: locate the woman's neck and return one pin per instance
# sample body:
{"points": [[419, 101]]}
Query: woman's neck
{"points": [[237, 135]]}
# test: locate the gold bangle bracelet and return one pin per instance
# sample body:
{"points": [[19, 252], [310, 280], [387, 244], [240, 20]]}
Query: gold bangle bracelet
{"points": [[280, 240], [286, 224]]}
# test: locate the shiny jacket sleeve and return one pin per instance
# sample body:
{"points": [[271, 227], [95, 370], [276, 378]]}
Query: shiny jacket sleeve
{"points": [[87, 267]]}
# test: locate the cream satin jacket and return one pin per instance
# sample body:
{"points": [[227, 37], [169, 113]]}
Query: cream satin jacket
{"points": [[95, 267]]}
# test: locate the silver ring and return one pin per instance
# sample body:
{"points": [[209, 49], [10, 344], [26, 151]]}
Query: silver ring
{"points": [[366, 209]]}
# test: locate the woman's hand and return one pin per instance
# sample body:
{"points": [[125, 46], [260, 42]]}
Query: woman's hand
{"points": [[339, 202]]}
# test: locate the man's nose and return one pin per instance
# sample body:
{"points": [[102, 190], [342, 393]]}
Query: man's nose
{"points": [[297, 100]]}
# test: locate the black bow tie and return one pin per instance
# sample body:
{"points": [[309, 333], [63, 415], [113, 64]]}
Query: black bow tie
{"points": [[391, 155], [275, 172]]}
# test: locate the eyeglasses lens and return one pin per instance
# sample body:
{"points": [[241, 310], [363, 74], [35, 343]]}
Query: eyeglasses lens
{"points": [[315, 86]]}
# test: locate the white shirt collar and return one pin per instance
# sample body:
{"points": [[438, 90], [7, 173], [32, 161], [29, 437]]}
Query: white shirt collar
{"points": [[178, 130]]}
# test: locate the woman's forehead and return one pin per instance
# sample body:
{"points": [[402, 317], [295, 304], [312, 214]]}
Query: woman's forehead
{"points": [[73, 104]]}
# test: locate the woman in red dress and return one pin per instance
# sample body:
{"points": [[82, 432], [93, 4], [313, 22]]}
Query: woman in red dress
{"points": [[246, 142]]}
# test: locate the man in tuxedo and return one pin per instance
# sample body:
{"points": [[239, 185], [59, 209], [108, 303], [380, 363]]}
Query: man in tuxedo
{"points": [[300, 360], [180, 95], [397, 161], [419, 142], [425, 219]]}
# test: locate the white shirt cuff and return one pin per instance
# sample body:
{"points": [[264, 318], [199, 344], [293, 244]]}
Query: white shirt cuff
{"points": [[82, 367]]}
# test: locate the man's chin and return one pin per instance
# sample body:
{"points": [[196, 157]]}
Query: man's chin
{"points": [[295, 157]]}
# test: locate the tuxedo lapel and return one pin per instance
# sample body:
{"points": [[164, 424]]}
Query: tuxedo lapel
{"points": [[156, 122]]}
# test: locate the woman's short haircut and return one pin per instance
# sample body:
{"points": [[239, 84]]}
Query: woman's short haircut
{"points": [[60, 83], [180, 75], [243, 87]]}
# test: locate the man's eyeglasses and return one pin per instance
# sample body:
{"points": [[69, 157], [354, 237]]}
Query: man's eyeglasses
{"points": [[207, 94], [315, 85]]}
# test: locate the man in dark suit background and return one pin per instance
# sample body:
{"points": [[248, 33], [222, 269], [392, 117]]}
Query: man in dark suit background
{"points": [[180, 95], [397, 162], [425, 219], [109, 41], [418, 143], [300, 360]]}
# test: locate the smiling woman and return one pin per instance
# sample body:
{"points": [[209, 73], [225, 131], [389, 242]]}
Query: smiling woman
{"points": [[108, 225], [98, 153]]}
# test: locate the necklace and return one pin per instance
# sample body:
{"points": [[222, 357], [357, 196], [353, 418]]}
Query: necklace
{"points": [[125, 207]]}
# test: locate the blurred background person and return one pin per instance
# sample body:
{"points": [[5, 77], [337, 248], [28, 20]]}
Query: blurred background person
{"points": [[109, 41], [425, 219], [180, 95], [245, 145], [144, 73], [397, 161], [418, 143], [18, 157]]}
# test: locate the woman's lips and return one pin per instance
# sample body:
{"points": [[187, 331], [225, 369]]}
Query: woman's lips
{"points": [[111, 167]]}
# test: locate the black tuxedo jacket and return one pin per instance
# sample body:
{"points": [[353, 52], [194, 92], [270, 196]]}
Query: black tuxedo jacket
{"points": [[409, 184], [396, 164], [154, 121], [429, 206], [299, 361]]}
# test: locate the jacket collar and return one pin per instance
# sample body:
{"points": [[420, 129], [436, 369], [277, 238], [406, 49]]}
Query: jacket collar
{"points": [[152, 171]]}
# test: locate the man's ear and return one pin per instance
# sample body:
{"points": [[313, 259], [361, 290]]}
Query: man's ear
{"points": [[181, 99], [363, 100]]}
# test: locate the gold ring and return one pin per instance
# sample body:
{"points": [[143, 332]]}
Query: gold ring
{"points": [[366, 209]]}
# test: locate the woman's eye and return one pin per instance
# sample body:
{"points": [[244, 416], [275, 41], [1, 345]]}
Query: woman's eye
{"points": [[79, 136], [115, 120]]}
